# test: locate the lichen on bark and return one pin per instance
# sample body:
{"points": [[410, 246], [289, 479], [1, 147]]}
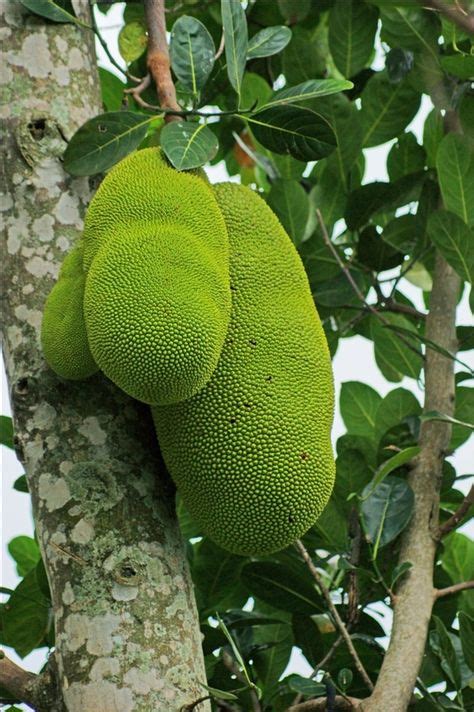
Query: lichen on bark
{"points": [[127, 635]]}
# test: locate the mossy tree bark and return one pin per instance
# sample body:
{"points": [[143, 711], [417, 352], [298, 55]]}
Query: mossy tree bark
{"points": [[127, 635]]}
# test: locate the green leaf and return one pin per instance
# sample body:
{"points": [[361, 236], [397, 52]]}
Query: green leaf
{"points": [[311, 89], [192, 52], [464, 414], [305, 56], [393, 356], [455, 240], [352, 473], [103, 141], [6, 431], [305, 686], [399, 571], [393, 463], [271, 663], [112, 90], [461, 65], [433, 134], [409, 28], [466, 114], [337, 291], [329, 196], [387, 511], [59, 11], [216, 575], [236, 40], [26, 618], [466, 630], [219, 694], [330, 529], [406, 156], [395, 406], [235, 650], [352, 28], [344, 678], [294, 130], [359, 403], [289, 200], [402, 233], [465, 337], [386, 108], [255, 90], [20, 484], [294, 10], [455, 165], [132, 41], [268, 42], [188, 145], [281, 587], [25, 552], [374, 252], [442, 646], [372, 199], [436, 415], [457, 558]]}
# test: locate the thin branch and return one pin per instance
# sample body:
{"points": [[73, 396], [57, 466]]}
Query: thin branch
{"points": [[220, 48], [19, 683], [458, 515], [158, 58], [105, 47], [321, 665], [355, 286], [337, 618], [192, 706], [456, 588], [321, 705], [464, 20], [230, 664], [391, 305]]}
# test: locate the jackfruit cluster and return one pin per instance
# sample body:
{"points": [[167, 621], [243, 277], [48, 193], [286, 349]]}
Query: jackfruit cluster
{"points": [[195, 301]]}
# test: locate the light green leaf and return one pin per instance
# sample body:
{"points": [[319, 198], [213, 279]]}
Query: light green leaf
{"points": [[457, 558], [436, 415], [132, 41], [60, 11], [311, 89], [6, 431], [289, 200], [112, 90], [393, 356], [103, 141], [359, 403], [352, 28], [455, 165], [461, 65], [188, 145], [305, 686], [395, 406], [393, 463], [268, 41], [455, 240], [219, 694], [236, 40], [387, 511], [386, 108], [192, 52], [25, 551], [419, 276]]}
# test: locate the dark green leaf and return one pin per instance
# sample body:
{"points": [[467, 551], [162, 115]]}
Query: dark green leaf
{"points": [[283, 588], [402, 233], [393, 355], [192, 52], [387, 511], [58, 11], [442, 646], [352, 473], [294, 10], [399, 571], [236, 40], [308, 635], [112, 90], [393, 463], [328, 196], [189, 528], [464, 413], [406, 156], [352, 28], [188, 145], [344, 678], [255, 91], [465, 337], [216, 574], [6, 431], [461, 65], [395, 406], [304, 57], [376, 253], [219, 694], [132, 40], [271, 663], [373, 198], [338, 291], [455, 165], [103, 141], [330, 529], [268, 42], [311, 89], [289, 201], [409, 28], [26, 618], [25, 551], [455, 240], [20, 484], [466, 114], [358, 404], [237, 654], [466, 630], [294, 130], [386, 108], [305, 686], [433, 133]]}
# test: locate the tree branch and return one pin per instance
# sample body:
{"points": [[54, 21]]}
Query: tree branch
{"points": [[458, 515], [320, 705], [334, 612], [321, 664], [463, 20], [23, 685], [158, 58], [456, 588]]}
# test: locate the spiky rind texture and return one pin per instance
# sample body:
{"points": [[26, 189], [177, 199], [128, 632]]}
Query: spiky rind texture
{"points": [[251, 452], [63, 331]]}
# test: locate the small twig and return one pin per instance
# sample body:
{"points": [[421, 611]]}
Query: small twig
{"points": [[458, 515], [355, 286], [192, 706], [137, 91], [19, 683], [104, 46], [230, 664], [220, 48], [158, 58], [391, 305], [337, 618], [321, 665], [464, 586], [464, 20], [320, 704]]}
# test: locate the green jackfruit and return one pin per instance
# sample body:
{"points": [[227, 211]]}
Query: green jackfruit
{"points": [[63, 332], [251, 452]]}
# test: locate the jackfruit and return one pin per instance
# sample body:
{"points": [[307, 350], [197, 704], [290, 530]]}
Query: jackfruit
{"points": [[251, 453], [63, 331]]}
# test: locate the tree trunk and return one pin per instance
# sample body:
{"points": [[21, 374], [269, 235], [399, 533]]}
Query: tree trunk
{"points": [[127, 634]]}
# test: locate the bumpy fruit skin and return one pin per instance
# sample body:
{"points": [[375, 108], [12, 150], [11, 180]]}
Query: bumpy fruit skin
{"points": [[63, 331], [251, 452]]}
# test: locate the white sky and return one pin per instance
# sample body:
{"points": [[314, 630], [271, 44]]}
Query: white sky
{"points": [[354, 360]]}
